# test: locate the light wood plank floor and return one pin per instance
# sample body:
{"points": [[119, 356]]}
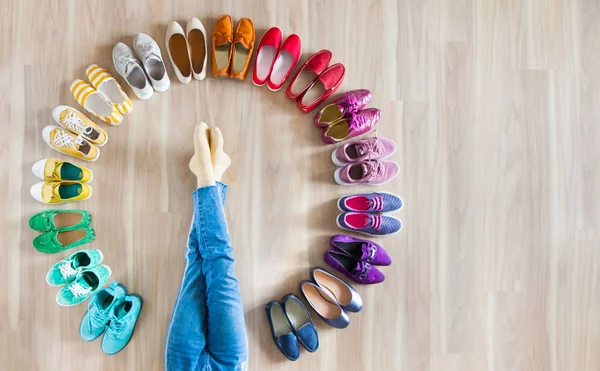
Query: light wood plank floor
{"points": [[495, 108]]}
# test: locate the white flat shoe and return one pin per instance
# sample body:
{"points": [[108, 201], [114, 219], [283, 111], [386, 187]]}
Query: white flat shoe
{"points": [[149, 54], [196, 37], [177, 48], [130, 68]]}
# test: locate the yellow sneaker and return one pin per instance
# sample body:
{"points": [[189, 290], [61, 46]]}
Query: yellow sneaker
{"points": [[60, 192], [110, 89], [53, 169], [78, 123], [94, 103], [70, 144]]}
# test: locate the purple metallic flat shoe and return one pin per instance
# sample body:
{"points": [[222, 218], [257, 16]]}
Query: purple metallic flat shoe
{"points": [[361, 250], [324, 305], [358, 271], [371, 224], [350, 103], [374, 202], [345, 294], [355, 125]]}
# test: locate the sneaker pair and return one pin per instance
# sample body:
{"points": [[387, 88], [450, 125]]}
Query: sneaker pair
{"points": [[362, 213], [62, 181], [144, 69], [356, 258], [364, 162], [80, 275], [62, 230], [346, 117], [114, 313]]}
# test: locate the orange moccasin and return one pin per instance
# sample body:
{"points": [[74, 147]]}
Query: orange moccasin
{"points": [[222, 46], [242, 49]]}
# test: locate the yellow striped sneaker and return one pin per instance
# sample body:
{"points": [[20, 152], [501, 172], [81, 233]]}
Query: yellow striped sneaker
{"points": [[78, 123], [106, 85], [60, 192], [53, 169], [94, 103], [70, 144]]}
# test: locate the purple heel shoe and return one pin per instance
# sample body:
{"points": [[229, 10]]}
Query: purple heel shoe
{"points": [[350, 103], [359, 249], [357, 271]]}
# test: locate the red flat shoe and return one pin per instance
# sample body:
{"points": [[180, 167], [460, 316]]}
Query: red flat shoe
{"points": [[307, 74], [325, 85], [286, 60], [266, 53]]}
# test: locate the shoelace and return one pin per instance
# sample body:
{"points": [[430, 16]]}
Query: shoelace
{"points": [[99, 315], [78, 290], [377, 170], [148, 52], [370, 147], [66, 270], [64, 139], [350, 103], [374, 221], [118, 326], [127, 62], [377, 203], [76, 124], [358, 121]]}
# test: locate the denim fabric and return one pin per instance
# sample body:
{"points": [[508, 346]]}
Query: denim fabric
{"points": [[207, 330]]}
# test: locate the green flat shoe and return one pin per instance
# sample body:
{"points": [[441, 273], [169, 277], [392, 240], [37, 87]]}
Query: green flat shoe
{"points": [[67, 269], [64, 220], [56, 241], [123, 318], [85, 284]]}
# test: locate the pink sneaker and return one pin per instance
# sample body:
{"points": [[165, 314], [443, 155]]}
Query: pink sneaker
{"points": [[371, 172], [351, 102], [357, 124], [364, 149]]}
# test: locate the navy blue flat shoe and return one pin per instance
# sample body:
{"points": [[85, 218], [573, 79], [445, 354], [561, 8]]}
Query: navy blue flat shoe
{"points": [[283, 334], [301, 322], [324, 305]]}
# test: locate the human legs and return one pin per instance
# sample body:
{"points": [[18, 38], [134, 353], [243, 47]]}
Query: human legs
{"points": [[207, 330]]}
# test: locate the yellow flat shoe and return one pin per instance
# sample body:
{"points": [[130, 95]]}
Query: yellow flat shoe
{"points": [[53, 169], [78, 123], [94, 103], [110, 89], [64, 141], [60, 192]]}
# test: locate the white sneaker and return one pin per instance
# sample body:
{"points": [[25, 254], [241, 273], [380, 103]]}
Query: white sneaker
{"points": [[148, 52], [131, 70], [177, 48], [196, 37]]}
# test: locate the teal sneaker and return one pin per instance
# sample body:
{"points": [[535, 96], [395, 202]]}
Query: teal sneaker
{"points": [[67, 269], [100, 306], [62, 220], [85, 284], [123, 317]]}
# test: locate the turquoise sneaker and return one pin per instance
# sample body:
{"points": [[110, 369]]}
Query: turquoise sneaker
{"points": [[100, 305], [67, 269], [83, 286], [123, 317]]}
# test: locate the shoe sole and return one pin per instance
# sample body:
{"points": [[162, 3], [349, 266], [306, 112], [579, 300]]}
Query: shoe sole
{"points": [[337, 179], [337, 162], [369, 234], [367, 212], [133, 331]]}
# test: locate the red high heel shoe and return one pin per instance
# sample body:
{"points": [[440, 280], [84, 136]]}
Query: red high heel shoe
{"points": [[266, 53], [323, 86], [310, 71]]}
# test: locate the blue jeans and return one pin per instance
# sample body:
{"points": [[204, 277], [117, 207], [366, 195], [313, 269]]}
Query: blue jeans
{"points": [[207, 329]]}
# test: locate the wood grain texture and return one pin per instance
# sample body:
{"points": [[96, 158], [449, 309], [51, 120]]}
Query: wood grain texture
{"points": [[494, 105]]}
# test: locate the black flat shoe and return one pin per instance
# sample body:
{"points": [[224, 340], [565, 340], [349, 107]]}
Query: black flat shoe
{"points": [[283, 335], [301, 322]]}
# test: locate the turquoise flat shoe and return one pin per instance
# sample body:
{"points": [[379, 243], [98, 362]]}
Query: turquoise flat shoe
{"points": [[123, 317]]}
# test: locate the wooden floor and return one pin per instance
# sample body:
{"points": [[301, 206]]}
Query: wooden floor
{"points": [[495, 106]]}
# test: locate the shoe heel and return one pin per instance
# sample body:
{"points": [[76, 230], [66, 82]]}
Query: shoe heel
{"points": [[114, 285]]}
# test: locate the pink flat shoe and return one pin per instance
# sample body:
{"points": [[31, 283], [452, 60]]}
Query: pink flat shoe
{"points": [[351, 102], [307, 74], [322, 88], [365, 149], [266, 53], [359, 123], [373, 172], [286, 60]]}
